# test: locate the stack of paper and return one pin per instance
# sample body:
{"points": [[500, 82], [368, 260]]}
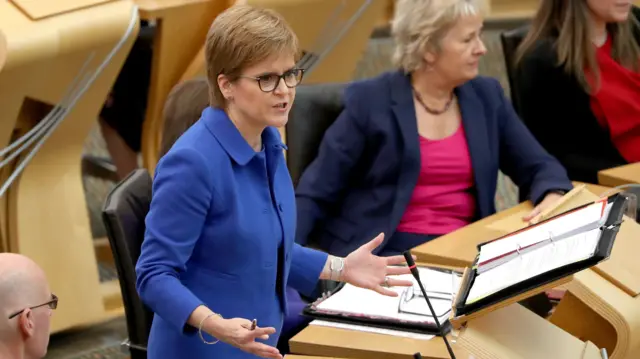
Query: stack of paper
{"points": [[568, 239], [408, 306], [582, 220]]}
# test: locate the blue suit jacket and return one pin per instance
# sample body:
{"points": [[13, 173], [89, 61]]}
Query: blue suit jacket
{"points": [[369, 161], [220, 232]]}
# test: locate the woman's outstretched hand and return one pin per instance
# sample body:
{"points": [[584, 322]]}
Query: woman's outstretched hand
{"points": [[237, 332], [365, 270]]}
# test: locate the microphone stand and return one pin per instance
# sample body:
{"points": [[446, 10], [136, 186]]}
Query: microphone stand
{"points": [[414, 271]]}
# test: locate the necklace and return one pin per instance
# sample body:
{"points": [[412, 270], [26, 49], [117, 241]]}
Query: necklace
{"points": [[429, 109]]}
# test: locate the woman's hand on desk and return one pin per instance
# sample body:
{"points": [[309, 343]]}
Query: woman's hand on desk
{"points": [[237, 332], [547, 202], [365, 270]]}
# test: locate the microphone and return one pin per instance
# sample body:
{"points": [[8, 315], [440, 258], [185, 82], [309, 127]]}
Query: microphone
{"points": [[414, 271]]}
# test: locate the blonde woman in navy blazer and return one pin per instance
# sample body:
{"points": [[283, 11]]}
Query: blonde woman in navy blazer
{"points": [[219, 245], [416, 152]]}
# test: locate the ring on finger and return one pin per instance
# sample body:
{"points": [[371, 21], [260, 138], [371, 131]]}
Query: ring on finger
{"points": [[386, 282]]}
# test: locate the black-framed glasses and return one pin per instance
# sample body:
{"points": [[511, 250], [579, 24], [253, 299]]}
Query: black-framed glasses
{"points": [[52, 304], [269, 82]]}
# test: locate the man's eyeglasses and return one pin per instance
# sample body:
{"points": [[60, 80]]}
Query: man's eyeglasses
{"points": [[52, 304], [269, 82]]}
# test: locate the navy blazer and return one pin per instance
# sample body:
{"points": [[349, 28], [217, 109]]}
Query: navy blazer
{"points": [[369, 161], [554, 105], [220, 232]]}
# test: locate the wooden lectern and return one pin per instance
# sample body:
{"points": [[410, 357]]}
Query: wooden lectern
{"points": [[602, 304], [514, 332], [45, 45], [506, 331]]}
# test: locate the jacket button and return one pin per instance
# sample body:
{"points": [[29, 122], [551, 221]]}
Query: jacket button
{"points": [[265, 210]]}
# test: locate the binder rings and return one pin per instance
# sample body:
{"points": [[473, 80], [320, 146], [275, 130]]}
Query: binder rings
{"points": [[408, 311], [522, 263]]}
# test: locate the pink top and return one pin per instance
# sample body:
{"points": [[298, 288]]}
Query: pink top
{"points": [[442, 200]]}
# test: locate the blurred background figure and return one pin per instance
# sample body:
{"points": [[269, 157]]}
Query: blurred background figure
{"points": [[124, 111], [579, 83]]}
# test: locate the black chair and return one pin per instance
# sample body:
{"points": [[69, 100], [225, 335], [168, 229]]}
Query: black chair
{"points": [[315, 109], [124, 211], [510, 41]]}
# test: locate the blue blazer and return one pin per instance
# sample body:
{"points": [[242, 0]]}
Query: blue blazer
{"points": [[220, 233], [369, 161]]}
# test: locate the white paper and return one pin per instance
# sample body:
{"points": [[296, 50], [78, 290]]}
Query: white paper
{"points": [[358, 301], [540, 260], [554, 228], [362, 328]]}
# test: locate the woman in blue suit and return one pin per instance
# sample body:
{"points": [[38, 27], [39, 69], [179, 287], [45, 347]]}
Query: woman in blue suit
{"points": [[416, 152], [219, 244]]}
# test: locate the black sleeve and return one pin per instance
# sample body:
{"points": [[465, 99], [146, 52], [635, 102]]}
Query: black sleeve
{"points": [[557, 112]]}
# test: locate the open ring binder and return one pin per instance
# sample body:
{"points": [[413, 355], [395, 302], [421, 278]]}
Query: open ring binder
{"points": [[581, 238]]}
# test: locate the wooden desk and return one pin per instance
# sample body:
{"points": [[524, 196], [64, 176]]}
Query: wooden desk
{"points": [[598, 307], [507, 333], [602, 304], [618, 176], [500, 10], [334, 342], [308, 357], [182, 27]]}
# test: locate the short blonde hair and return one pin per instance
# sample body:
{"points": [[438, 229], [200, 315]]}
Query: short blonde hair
{"points": [[240, 37], [419, 25]]}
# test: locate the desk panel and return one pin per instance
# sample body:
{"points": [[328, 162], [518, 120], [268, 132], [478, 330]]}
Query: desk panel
{"points": [[325, 341], [618, 176]]}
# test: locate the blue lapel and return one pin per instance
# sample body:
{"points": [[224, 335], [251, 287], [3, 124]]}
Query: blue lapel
{"points": [[405, 116], [475, 126]]}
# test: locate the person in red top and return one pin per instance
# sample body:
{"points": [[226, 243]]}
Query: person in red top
{"points": [[616, 102], [578, 83]]}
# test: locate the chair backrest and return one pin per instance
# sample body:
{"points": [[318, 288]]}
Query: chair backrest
{"points": [[123, 214], [510, 41], [315, 109]]}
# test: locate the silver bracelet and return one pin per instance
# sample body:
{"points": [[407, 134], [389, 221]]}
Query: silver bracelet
{"points": [[200, 328], [336, 266]]}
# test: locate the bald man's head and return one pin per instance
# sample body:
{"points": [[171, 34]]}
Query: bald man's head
{"points": [[23, 285]]}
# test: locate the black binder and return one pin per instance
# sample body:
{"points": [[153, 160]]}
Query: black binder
{"points": [[603, 249], [311, 310]]}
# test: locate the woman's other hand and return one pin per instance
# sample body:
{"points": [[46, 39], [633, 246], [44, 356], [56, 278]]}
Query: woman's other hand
{"points": [[237, 332], [365, 270], [547, 202]]}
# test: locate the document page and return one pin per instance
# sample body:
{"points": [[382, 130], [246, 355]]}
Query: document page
{"points": [[590, 215], [408, 306], [540, 260]]}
